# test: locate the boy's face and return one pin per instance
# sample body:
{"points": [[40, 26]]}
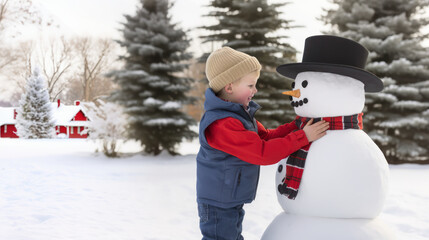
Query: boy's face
{"points": [[243, 90]]}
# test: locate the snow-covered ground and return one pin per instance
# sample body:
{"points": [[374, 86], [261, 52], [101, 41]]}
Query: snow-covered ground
{"points": [[61, 189]]}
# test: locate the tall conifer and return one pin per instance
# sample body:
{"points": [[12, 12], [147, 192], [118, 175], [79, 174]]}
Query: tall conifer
{"points": [[150, 88], [34, 115], [252, 26], [397, 118]]}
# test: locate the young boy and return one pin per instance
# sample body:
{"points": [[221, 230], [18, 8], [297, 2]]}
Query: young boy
{"points": [[234, 144]]}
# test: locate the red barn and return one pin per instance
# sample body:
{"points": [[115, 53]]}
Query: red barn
{"points": [[70, 121], [7, 122]]}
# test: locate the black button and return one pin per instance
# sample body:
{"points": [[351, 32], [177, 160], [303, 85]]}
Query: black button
{"points": [[280, 169], [305, 100]]}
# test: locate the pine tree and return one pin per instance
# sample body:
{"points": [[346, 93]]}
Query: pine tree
{"points": [[250, 26], [396, 118], [34, 118], [150, 89]]}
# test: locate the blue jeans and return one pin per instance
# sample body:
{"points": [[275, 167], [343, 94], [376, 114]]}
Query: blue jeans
{"points": [[221, 223]]}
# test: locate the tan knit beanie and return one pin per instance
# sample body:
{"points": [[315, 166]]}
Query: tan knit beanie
{"points": [[227, 65]]}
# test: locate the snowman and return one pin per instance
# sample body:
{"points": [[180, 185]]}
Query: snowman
{"points": [[344, 174]]}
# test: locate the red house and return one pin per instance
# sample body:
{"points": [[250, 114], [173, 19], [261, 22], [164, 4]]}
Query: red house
{"points": [[7, 122], [70, 121]]}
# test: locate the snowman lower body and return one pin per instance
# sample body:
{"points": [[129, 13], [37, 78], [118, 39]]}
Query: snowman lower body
{"points": [[298, 227], [344, 185]]}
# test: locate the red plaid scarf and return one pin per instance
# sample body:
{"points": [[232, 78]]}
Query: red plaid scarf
{"points": [[296, 161]]}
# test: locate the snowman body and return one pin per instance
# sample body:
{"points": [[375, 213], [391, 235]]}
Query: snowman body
{"points": [[345, 174]]}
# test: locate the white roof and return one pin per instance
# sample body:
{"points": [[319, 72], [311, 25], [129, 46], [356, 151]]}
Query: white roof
{"points": [[6, 116], [63, 115]]}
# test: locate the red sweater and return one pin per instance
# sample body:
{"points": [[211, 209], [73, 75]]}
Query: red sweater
{"points": [[264, 148]]}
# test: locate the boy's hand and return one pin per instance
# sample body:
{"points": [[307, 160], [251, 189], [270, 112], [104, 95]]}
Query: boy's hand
{"points": [[315, 131]]}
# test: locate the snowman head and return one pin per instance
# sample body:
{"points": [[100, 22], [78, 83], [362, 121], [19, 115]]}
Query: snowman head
{"points": [[331, 78], [321, 94]]}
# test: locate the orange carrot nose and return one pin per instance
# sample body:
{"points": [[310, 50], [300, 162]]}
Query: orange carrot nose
{"points": [[295, 93]]}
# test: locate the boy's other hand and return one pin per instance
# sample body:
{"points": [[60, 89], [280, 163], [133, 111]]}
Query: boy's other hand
{"points": [[315, 131]]}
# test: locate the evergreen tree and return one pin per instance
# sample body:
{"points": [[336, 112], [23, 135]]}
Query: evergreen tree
{"points": [[150, 89], [396, 118], [250, 26], [34, 118]]}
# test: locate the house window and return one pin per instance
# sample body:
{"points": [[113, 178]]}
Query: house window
{"points": [[71, 130], [78, 130], [5, 128]]}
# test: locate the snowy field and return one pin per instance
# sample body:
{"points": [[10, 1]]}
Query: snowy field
{"points": [[62, 189]]}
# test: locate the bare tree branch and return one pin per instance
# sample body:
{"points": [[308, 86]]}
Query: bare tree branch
{"points": [[56, 62], [95, 57]]}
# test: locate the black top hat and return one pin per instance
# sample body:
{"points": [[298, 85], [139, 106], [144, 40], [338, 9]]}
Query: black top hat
{"points": [[333, 54]]}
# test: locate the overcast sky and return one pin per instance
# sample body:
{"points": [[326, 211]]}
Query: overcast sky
{"points": [[102, 17]]}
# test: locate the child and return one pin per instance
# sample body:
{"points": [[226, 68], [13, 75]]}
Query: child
{"points": [[234, 144]]}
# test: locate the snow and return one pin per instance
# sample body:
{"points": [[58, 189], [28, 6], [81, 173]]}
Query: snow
{"points": [[131, 74], [349, 155], [328, 95], [402, 90], [62, 116], [409, 104], [171, 105], [401, 122], [165, 121], [61, 189], [6, 115], [385, 97], [171, 67], [159, 84], [176, 87], [108, 123], [404, 65], [238, 42], [34, 115], [327, 228], [152, 102]]}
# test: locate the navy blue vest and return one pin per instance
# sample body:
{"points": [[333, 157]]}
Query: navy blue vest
{"points": [[223, 180]]}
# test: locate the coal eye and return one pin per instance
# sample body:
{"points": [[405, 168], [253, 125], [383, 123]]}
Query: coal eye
{"points": [[293, 85], [304, 83]]}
